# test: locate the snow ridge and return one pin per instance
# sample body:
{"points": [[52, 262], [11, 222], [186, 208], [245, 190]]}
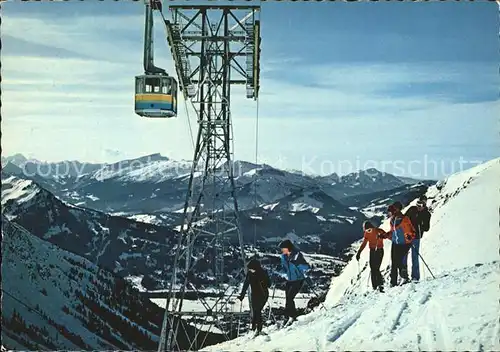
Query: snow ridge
{"points": [[461, 248]]}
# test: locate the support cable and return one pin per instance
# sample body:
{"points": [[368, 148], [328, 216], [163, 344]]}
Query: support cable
{"points": [[256, 163]]}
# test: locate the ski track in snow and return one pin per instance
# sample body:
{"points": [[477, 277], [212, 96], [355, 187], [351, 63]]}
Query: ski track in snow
{"points": [[409, 317], [102, 251], [337, 332]]}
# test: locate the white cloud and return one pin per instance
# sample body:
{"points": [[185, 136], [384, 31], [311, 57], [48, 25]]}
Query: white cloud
{"points": [[87, 35], [62, 108]]}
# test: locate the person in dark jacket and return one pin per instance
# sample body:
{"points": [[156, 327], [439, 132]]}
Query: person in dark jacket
{"points": [[420, 218], [258, 280], [401, 234], [294, 266]]}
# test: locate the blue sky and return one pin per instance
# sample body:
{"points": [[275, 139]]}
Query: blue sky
{"points": [[369, 83]]}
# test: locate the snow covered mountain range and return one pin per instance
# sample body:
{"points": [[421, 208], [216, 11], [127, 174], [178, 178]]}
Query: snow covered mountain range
{"points": [[143, 252], [155, 184], [53, 299], [275, 204], [458, 309], [138, 251]]}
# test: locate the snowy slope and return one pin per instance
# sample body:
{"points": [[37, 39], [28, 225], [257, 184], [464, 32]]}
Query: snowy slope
{"points": [[56, 300], [435, 315], [71, 300], [460, 212], [152, 168], [375, 204], [124, 246], [18, 189], [456, 311]]}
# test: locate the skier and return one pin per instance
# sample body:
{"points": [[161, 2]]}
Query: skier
{"points": [[401, 234], [376, 245], [258, 280], [294, 266], [420, 218]]}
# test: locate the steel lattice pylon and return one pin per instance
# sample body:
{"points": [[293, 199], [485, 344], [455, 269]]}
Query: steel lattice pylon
{"points": [[214, 47]]}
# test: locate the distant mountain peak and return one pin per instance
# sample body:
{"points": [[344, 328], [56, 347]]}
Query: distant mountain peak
{"points": [[16, 159], [11, 168], [371, 170], [152, 157]]}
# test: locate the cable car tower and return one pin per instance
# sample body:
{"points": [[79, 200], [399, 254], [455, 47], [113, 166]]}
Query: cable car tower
{"points": [[214, 49]]}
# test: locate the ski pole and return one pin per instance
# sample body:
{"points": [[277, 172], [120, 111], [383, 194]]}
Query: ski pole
{"points": [[425, 263], [314, 292], [239, 319], [271, 300], [423, 272]]}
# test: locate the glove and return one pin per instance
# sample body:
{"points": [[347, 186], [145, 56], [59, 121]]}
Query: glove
{"points": [[409, 237], [358, 255], [381, 236]]}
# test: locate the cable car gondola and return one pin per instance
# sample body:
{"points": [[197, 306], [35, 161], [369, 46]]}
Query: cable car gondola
{"points": [[155, 95], [155, 90]]}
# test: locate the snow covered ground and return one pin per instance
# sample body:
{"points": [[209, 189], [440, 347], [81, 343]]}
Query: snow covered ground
{"points": [[144, 169], [458, 310], [17, 189], [433, 315]]}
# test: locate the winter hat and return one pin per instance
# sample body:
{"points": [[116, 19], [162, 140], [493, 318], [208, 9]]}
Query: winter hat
{"points": [[391, 209], [422, 201], [253, 264], [287, 244], [398, 205], [368, 225]]}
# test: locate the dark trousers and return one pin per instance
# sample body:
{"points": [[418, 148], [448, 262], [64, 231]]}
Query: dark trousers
{"points": [[292, 288], [398, 253], [376, 257], [258, 304]]}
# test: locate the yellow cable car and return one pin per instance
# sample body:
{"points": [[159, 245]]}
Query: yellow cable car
{"points": [[155, 90], [155, 96]]}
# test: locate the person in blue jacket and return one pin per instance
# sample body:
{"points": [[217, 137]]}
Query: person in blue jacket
{"points": [[294, 266]]}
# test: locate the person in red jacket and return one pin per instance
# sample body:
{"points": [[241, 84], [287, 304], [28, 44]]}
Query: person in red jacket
{"points": [[376, 245], [402, 235]]}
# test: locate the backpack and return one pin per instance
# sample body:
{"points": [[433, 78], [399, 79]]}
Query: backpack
{"points": [[403, 231]]}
